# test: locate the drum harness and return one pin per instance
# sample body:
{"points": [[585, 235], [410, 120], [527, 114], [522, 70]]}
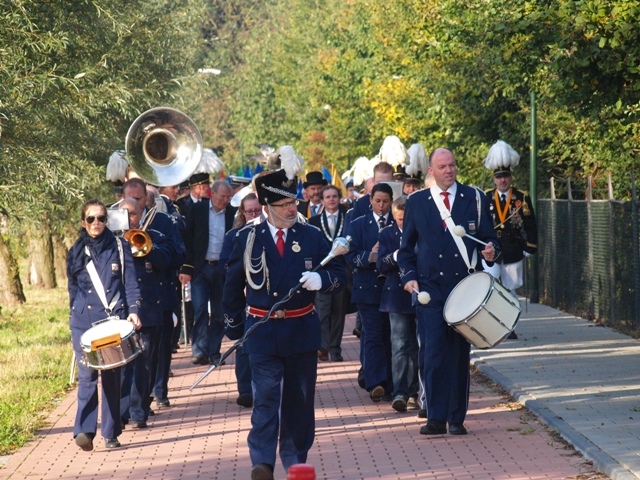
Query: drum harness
{"points": [[97, 284], [446, 217]]}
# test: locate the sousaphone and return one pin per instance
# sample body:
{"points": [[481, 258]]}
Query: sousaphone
{"points": [[164, 146]]}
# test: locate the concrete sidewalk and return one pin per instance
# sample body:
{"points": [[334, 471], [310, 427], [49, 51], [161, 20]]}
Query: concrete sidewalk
{"points": [[561, 367], [581, 379]]}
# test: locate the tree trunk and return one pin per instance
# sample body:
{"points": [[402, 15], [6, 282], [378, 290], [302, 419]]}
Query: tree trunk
{"points": [[60, 251], [11, 292], [41, 270]]}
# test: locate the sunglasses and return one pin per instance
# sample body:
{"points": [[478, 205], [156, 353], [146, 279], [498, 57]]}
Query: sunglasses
{"points": [[100, 218]]}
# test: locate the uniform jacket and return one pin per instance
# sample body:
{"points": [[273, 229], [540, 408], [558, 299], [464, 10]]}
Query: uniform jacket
{"points": [[519, 233], [168, 226], [367, 280], [196, 235], [428, 252], [85, 306], [304, 250], [394, 298], [151, 276]]}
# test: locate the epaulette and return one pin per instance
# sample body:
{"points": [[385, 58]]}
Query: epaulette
{"points": [[242, 229]]}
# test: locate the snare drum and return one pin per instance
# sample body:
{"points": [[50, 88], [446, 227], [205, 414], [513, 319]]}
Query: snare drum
{"points": [[481, 310], [110, 344]]}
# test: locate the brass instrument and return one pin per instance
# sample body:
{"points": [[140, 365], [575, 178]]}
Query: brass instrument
{"points": [[138, 238], [164, 146]]}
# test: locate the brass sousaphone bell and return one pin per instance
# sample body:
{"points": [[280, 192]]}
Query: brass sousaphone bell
{"points": [[164, 146]]}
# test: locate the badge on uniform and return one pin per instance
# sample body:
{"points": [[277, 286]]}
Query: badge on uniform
{"points": [[308, 264], [115, 268], [472, 227], [295, 247], [148, 267]]}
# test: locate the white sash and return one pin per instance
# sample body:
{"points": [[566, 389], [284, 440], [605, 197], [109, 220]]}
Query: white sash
{"points": [[97, 284], [446, 217]]}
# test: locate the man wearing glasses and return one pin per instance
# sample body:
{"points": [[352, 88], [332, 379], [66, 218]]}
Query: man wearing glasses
{"points": [[268, 260]]}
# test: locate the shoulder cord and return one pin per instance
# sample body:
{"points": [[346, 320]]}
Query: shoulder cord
{"points": [[260, 266]]}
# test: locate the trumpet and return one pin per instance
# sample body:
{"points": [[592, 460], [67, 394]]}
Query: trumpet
{"points": [[138, 238], [140, 242]]}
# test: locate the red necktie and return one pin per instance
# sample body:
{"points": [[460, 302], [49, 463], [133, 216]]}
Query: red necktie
{"points": [[446, 204], [280, 242]]}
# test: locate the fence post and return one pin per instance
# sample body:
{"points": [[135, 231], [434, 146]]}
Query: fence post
{"points": [[571, 293], [636, 249]]}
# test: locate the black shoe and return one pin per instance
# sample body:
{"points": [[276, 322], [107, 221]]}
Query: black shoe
{"points": [[215, 360], [336, 357], [357, 332], [457, 429], [85, 441], [262, 471], [199, 360], [111, 443], [399, 403], [245, 401], [422, 413], [361, 383], [323, 355], [434, 427], [377, 393], [512, 336], [139, 424], [163, 402], [152, 413]]}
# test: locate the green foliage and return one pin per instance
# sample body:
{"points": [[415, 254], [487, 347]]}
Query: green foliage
{"points": [[72, 77]]}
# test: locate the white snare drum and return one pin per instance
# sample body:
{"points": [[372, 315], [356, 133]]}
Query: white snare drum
{"points": [[110, 344], [482, 310]]}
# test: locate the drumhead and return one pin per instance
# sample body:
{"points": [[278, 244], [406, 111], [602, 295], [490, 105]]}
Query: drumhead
{"points": [[105, 329], [467, 297]]}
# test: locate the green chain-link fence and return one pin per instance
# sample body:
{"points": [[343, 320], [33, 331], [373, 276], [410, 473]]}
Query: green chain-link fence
{"points": [[588, 259]]}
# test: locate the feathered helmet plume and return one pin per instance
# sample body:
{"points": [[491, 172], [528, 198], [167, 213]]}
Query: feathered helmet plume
{"points": [[394, 153], [282, 183], [360, 172], [210, 164], [418, 162], [117, 167], [501, 158]]}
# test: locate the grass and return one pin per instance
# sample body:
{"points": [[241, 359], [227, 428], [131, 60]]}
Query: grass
{"points": [[35, 359]]}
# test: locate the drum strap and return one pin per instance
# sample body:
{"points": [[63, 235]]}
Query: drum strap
{"points": [[97, 284], [446, 218]]}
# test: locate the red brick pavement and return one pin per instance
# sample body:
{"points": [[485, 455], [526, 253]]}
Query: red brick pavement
{"points": [[203, 436]]}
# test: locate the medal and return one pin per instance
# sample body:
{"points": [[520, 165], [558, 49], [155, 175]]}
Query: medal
{"points": [[295, 247]]}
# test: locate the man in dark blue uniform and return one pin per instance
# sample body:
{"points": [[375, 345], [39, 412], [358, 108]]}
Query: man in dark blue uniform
{"points": [[268, 260], [139, 375], [437, 269]]}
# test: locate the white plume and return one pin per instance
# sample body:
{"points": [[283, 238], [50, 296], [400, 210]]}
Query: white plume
{"points": [[290, 161], [393, 152], [501, 154], [418, 160], [209, 163], [117, 166], [361, 171]]}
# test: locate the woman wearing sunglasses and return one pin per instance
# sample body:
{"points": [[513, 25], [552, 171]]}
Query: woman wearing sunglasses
{"points": [[116, 271]]}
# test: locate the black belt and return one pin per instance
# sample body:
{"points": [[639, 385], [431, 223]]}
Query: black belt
{"points": [[211, 262]]}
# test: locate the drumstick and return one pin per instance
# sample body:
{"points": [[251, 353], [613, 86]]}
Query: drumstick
{"points": [[461, 232], [423, 297]]}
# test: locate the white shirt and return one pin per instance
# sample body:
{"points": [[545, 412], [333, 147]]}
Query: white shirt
{"points": [[436, 190], [274, 232]]}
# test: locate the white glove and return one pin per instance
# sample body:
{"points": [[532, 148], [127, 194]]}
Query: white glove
{"points": [[311, 281]]}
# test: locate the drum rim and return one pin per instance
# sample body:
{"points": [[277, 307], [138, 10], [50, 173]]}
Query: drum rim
{"points": [[480, 307]]}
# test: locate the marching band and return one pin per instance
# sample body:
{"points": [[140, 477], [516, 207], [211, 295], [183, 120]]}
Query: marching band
{"points": [[256, 258]]}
